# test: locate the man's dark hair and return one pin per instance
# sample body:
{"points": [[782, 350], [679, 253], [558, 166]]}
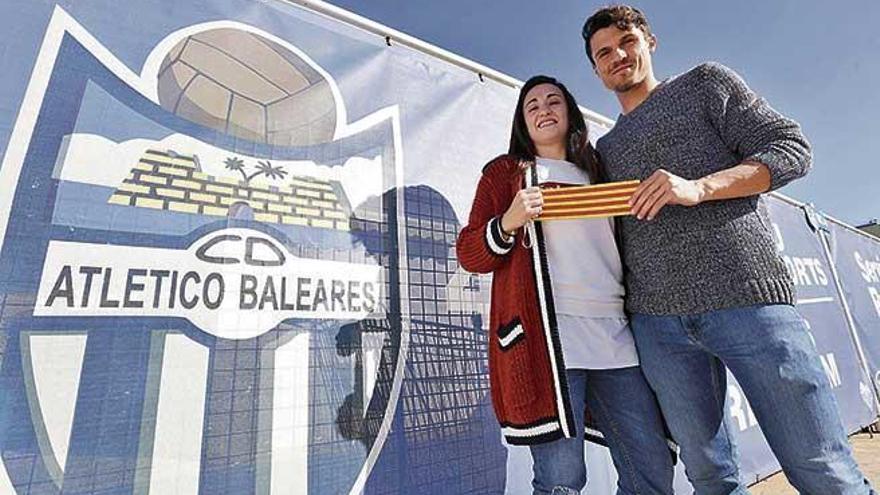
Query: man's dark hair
{"points": [[578, 149], [622, 16]]}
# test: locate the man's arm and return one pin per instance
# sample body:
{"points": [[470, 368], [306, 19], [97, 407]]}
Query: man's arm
{"points": [[662, 188], [773, 148], [745, 179]]}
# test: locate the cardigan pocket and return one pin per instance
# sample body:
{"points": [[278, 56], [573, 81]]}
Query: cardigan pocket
{"points": [[510, 334], [515, 368]]}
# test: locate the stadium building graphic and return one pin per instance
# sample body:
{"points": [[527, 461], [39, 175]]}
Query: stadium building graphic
{"points": [[170, 181]]}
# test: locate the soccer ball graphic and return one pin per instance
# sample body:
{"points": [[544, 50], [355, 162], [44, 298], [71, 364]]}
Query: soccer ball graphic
{"points": [[245, 85]]}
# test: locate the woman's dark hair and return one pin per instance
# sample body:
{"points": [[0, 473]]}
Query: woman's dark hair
{"points": [[578, 149]]}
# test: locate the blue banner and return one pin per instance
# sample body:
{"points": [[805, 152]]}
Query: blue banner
{"points": [[857, 259], [227, 261], [799, 244], [218, 272]]}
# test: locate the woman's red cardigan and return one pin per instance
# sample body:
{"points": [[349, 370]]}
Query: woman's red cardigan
{"points": [[526, 368]]}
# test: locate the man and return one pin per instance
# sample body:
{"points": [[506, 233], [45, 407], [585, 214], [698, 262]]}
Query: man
{"points": [[705, 285]]}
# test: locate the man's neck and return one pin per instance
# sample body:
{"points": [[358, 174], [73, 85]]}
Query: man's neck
{"points": [[635, 96]]}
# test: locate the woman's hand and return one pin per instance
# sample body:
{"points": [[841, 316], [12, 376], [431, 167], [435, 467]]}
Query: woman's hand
{"points": [[526, 205]]}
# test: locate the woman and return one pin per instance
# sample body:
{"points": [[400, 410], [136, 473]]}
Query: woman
{"points": [[560, 348]]}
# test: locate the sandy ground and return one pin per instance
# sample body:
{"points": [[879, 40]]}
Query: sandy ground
{"points": [[867, 451]]}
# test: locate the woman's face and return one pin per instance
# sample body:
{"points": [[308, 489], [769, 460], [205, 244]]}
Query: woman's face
{"points": [[546, 115]]}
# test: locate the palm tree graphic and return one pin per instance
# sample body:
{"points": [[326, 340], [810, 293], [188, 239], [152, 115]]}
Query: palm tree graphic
{"points": [[263, 167]]}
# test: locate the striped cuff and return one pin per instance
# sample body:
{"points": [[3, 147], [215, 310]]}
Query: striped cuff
{"points": [[595, 436], [539, 432], [495, 239]]}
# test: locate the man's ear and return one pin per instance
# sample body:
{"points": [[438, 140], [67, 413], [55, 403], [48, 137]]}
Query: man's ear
{"points": [[652, 43]]}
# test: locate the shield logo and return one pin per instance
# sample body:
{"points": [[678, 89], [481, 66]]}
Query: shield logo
{"points": [[202, 273]]}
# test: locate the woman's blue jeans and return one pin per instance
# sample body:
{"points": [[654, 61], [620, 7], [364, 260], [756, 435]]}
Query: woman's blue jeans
{"points": [[627, 414]]}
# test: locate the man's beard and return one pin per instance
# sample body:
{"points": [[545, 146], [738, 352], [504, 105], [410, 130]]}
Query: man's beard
{"points": [[626, 86], [629, 84]]}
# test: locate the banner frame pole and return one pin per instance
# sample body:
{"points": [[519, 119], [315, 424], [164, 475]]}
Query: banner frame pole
{"points": [[398, 37], [853, 334], [827, 217]]}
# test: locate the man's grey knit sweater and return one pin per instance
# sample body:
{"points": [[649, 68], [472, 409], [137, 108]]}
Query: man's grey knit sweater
{"points": [[718, 254]]}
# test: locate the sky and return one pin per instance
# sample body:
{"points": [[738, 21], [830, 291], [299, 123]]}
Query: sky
{"points": [[816, 61]]}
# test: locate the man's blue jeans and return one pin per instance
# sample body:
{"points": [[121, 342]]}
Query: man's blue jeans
{"points": [[769, 350], [626, 412]]}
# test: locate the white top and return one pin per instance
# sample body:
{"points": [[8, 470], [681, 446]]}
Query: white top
{"points": [[587, 281]]}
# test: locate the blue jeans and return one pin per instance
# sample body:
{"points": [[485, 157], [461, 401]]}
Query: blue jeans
{"points": [[769, 351], [625, 411]]}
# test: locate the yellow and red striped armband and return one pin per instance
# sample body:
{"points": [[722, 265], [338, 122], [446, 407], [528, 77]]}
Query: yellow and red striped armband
{"points": [[593, 201]]}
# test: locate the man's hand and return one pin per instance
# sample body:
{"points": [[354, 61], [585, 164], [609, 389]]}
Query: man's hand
{"points": [[663, 188]]}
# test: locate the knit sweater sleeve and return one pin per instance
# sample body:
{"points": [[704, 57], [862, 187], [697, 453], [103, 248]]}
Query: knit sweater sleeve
{"points": [[480, 247], [754, 130]]}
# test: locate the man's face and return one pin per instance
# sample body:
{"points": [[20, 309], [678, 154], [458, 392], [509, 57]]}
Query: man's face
{"points": [[622, 57]]}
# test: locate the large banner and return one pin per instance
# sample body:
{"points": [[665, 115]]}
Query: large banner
{"points": [[220, 270], [227, 260], [797, 234], [857, 258]]}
